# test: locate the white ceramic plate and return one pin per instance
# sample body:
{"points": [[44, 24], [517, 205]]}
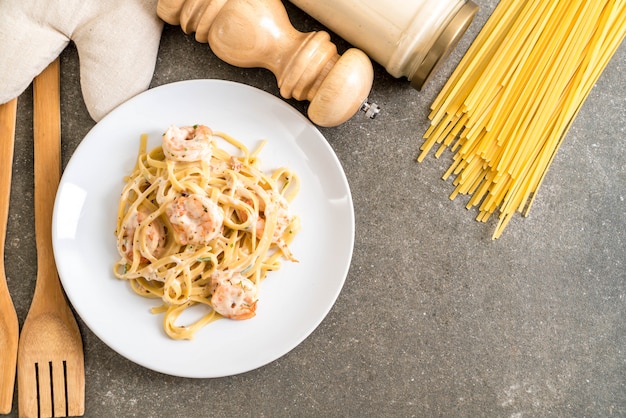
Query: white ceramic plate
{"points": [[293, 301]]}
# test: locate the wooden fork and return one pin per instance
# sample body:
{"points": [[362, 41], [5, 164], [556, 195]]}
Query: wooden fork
{"points": [[50, 362], [9, 328]]}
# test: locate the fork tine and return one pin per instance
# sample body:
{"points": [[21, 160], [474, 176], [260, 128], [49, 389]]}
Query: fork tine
{"points": [[75, 381], [27, 391], [44, 389], [57, 371]]}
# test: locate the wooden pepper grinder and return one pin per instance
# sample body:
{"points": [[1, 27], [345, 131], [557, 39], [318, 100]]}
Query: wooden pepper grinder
{"points": [[258, 33]]}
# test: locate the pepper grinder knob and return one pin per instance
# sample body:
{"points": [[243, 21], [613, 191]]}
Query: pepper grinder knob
{"points": [[258, 33]]}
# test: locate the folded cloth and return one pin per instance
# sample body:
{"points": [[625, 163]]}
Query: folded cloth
{"points": [[117, 43]]}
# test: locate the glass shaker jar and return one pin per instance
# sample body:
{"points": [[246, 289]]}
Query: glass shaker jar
{"points": [[410, 38]]}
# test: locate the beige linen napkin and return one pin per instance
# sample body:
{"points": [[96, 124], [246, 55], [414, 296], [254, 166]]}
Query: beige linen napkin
{"points": [[117, 43]]}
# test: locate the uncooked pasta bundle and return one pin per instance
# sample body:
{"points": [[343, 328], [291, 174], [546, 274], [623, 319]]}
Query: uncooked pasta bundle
{"points": [[508, 105]]}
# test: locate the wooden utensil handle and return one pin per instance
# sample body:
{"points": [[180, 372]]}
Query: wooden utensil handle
{"points": [[9, 328], [8, 112], [47, 155], [259, 34]]}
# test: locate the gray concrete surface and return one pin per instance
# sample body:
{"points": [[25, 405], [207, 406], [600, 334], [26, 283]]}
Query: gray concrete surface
{"points": [[435, 318]]}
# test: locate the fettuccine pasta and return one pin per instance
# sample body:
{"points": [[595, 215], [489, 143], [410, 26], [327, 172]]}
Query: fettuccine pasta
{"points": [[510, 102], [197, 225]]}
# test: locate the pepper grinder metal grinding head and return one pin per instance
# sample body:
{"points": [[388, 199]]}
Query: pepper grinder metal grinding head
{"points": [[307, 66]]}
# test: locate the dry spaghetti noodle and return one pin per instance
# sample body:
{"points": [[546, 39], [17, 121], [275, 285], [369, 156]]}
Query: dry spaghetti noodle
{"points": [[508, 105]]}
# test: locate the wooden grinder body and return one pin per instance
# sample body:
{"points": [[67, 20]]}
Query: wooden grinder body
{"points": [[258, 33]]}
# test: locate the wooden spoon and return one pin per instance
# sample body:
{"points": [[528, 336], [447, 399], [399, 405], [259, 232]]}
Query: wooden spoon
{"points": [[9, 329], [50, 363]]}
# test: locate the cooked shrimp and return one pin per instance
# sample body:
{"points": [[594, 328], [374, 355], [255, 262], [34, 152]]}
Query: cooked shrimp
{"points": [[283, 217], [283, 220], [234, 296], [196, 219], [154, 235], [235, 164], [188, 143]]}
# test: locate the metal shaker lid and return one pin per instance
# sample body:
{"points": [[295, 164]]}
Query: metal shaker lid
{"points": [[444, 45]]}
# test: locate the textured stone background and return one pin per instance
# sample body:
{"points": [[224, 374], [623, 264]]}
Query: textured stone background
{"points": [[435, 318]]}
